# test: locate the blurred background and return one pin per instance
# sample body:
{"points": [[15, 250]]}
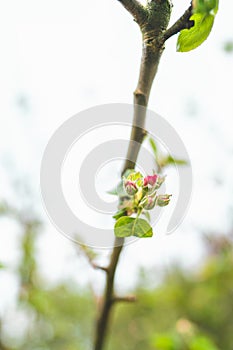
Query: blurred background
{"points": [[58, 58]]}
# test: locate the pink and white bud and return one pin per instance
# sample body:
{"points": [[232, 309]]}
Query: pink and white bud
{"points": [[148, 202], [163, 200], [150, 180], [130, 187]]}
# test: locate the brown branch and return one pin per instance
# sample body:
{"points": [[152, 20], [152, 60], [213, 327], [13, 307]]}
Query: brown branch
{"points": [[2, 346], [135, 9], [183, 22], [157, 19], [149, 66], [103, 321], [88, 254], [126, 299], [98, 267]]}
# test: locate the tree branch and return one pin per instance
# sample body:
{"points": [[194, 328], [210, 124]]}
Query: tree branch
{"points": [[149, 66], [135, 9], [98, 267], [127, 299], [89, 255], [103, 321], [153, 21], [183, 22]]}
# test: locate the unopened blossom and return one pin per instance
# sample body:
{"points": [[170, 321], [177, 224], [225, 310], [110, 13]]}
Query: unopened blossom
{"points": [[163, 200], [130, 187], [148, 202], [150, 180]]}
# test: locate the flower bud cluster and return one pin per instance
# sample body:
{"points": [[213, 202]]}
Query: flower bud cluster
{"points": [[143, 191]]}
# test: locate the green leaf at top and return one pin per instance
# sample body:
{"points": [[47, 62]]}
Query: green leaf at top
{"points": [[191, 38], [126, 227], [205, 6]]}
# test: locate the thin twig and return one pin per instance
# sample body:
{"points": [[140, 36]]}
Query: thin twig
{"points": [[126, 299], [183, 22], [98, 267], [88, 254]]}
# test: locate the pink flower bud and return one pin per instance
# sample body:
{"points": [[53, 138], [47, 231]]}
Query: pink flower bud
{"points": [[163, 200], [150, 180], [130, 187], [148, 202]]}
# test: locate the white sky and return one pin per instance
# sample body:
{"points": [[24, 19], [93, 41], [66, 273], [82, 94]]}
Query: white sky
{"points": [[60, 57]]}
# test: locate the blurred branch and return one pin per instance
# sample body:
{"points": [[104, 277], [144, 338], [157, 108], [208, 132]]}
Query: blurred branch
{"points": [[90, 255], [95, 266], [127, 299], [183, 22], [2, 346], [102, 323]]}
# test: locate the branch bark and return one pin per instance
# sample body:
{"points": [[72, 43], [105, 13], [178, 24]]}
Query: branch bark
{"points": [[153, 21], [149, 65], [127, 299], [183, 22], [103, 321]]}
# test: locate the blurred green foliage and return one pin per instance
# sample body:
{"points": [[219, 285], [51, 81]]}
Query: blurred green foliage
{"points": [[203, 297], [188, 310], [228, 46]]}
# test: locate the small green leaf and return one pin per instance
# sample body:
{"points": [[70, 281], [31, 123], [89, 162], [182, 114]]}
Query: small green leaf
{"points": [[205, 6], [153, 146], [118, 190], [113, 192], [180, 161], [119, 214], [190, 39], [169, 160], [126, 227]]}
